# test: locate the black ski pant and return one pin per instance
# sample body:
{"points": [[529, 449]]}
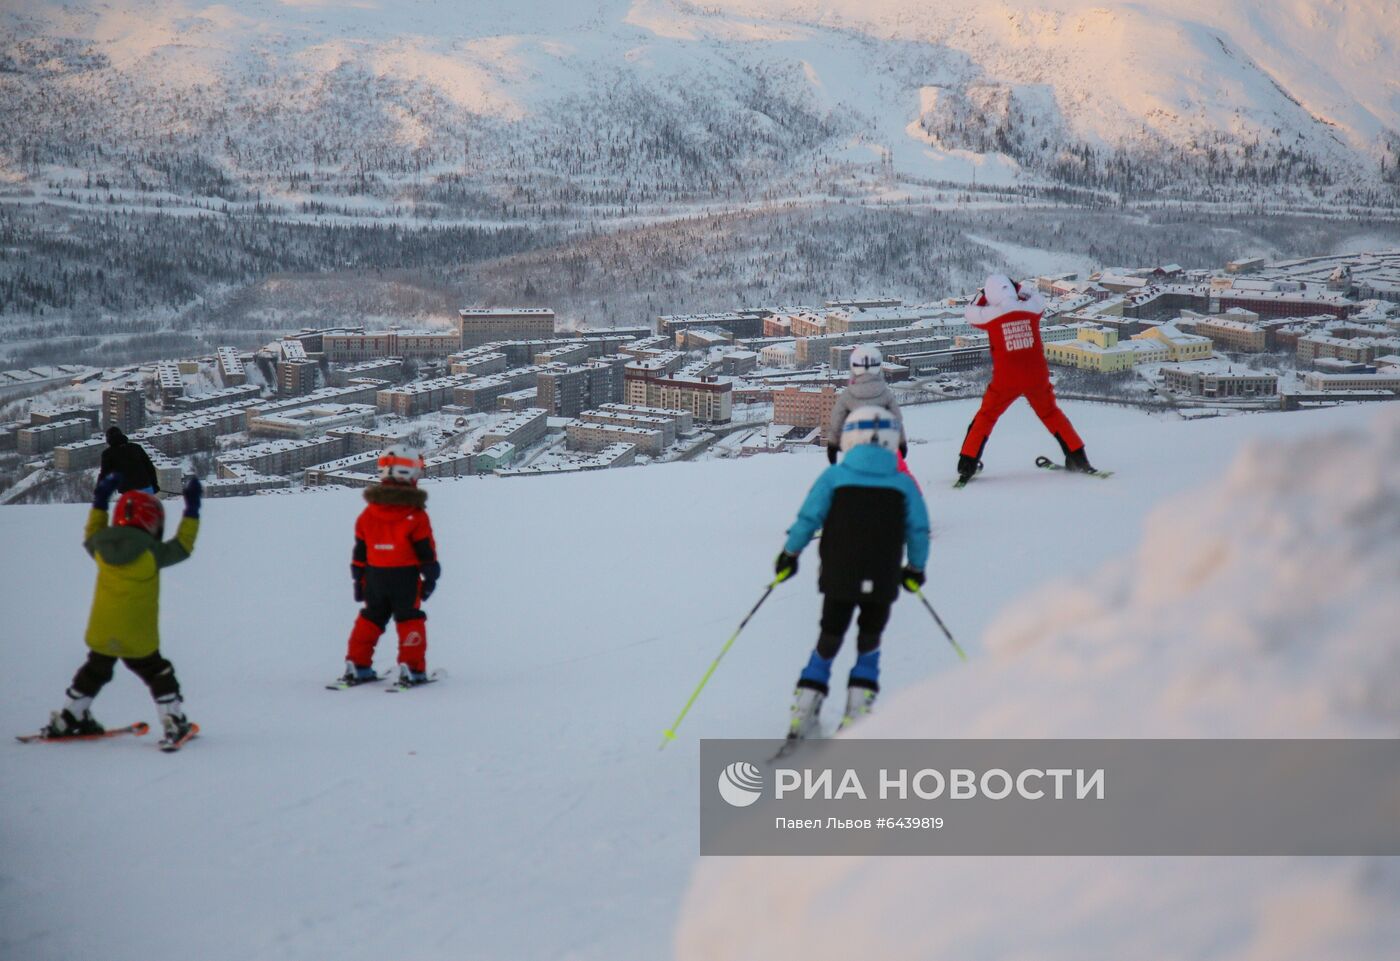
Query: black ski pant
{"points": [[155, 670], [836, 618], [392, 592]]}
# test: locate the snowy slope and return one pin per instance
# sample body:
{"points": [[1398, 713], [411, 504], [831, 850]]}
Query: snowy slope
{"points": [[601, 91], [519, 809], [1263, 605]]}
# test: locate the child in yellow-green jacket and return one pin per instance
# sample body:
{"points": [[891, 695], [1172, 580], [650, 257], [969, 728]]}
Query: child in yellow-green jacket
{"points": [[126, 604]]}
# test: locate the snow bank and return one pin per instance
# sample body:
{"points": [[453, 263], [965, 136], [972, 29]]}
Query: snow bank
{"points": [[1262, 605]]}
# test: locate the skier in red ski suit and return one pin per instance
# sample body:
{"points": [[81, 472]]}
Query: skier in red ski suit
{"points": [[1011, 317], [394, 569]]}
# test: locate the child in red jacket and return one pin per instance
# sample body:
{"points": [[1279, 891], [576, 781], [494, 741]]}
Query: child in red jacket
{"points": [[1011, 317], [395, 569]]}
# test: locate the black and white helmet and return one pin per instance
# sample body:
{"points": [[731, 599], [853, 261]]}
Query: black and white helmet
{"points": [[866, 359], [400, 464]]}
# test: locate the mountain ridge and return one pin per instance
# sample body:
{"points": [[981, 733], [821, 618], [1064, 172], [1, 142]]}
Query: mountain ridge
{"points": [[548, 99]]}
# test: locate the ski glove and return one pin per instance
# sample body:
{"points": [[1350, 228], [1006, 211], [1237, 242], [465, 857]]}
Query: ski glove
{"points": [[832, 452], [913, 579], [104, 489], [357, 577], [785, 566], [194, 495], [431, 572]]}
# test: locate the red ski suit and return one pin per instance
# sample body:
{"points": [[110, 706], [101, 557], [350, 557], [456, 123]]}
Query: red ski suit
{"points": [[395, 558], [1011, 319]]}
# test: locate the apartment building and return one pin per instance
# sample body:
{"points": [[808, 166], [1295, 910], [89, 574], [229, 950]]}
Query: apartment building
{"points": [[1209, 384], [808, 407], [311, 421], [482, 393], [1181, 346], [230, 367], [420, 397], [481, 325], [562, 391], [52, 415], [223, 397], [297, 376], [1326, 383], [740, 323], [124, 407], [42, 438], [280, 457], [1316, 346], [520, 430], [666, 425], [592, 436], [683, 420], [168, 381], [1231, 333], [384, 368], [710, 399], [179, 436]]}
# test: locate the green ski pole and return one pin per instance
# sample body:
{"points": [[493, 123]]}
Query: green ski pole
{"points": [[669, 734], [941, 625]]}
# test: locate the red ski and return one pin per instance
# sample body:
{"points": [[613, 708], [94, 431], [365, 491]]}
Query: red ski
{"points": [[138, 729]]}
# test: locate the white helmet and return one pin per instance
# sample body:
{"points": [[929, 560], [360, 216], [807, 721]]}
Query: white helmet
{"points": [[865, 359], [870, 425], [400, 464]]}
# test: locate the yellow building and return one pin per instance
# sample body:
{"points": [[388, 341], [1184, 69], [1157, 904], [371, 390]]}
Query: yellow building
{"points": [[1180, 346], [1096, 348]]}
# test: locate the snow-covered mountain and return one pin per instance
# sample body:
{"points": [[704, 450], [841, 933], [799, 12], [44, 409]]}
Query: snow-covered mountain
{"points": [[520, 810], [552, 104]]}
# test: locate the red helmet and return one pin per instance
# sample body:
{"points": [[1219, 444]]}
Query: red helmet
{"points": [[139, 509]]}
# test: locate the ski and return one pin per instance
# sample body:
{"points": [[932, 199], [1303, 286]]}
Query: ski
{"points": [[1048, 464], [343, 684], [137, 729], [962, 482], [170, 747], [792, 743], [433, 676]]}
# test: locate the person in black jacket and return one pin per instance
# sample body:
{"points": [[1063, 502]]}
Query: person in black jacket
{"points": [[130, 460]]}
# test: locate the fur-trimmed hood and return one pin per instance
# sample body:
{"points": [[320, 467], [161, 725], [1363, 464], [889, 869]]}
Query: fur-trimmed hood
{"points": [[396, 495], [1001, 297]]}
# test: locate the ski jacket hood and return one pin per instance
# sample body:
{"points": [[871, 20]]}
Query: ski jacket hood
{"points": [[121, 545], [1001, 297], [396, 495], [868, 385], [394, 530], [871, 459]]}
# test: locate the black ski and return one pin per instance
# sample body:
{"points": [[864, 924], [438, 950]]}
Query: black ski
{"points": [[344, 684], [433, 676], [1048, 464], [790, 744]]}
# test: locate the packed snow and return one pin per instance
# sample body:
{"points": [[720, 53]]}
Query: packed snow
{"points": [[1259, 605], [520, 809]]}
